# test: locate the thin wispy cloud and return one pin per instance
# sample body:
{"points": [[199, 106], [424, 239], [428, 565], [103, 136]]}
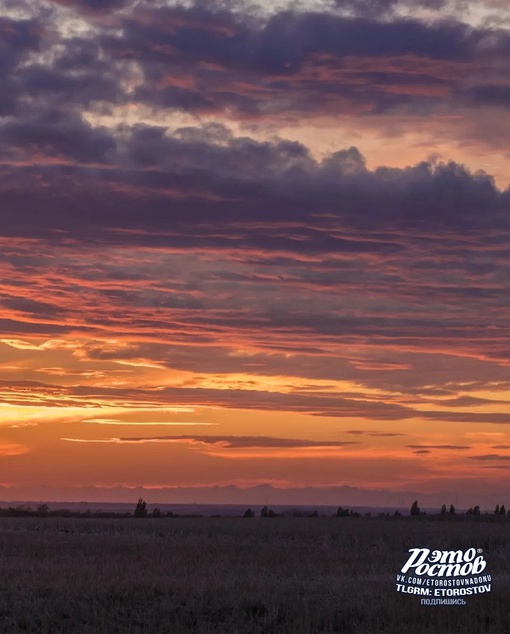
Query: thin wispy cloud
{"points": [[223, 441], [106, 421], [451, 447]]}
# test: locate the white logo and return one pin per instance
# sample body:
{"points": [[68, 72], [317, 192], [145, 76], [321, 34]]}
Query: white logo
{"points": [[444, 562], [451, 573]]}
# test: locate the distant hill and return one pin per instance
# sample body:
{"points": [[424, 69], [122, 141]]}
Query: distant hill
{"points": [[124, 498]]}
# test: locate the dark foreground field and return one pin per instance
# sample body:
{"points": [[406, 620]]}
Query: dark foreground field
{"points": [[237, 575]]}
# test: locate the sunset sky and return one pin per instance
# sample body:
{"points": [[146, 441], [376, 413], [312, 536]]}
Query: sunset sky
{"points": [[248, 244]]}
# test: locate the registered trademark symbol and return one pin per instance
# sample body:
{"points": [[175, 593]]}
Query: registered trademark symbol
{"points": [[479, 550]]}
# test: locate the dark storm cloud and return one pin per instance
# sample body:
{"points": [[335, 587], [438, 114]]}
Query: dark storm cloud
{"points": [[381, 8], [17, 39], [301, 62], [93, 5], [208, 58], [72, 77], [286, 40], [77, 79], [274, 189], [492, 95], [54, 133]]}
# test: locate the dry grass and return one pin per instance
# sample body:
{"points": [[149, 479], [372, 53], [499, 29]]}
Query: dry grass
{"points": [[237, 575]]}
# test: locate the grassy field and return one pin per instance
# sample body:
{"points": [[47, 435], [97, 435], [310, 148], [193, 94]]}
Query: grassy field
{"points": [[280, 575]]}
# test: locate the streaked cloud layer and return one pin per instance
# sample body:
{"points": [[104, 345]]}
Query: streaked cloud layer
{"points": [[292, 225]]}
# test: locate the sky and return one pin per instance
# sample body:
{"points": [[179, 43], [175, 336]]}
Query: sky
{"points": [[251, 244]]}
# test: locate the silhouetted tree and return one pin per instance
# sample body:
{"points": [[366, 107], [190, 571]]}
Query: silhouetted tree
{"points": [[157, 513], [249, 513], [415, 509], [496, 510], [502, 510], [476, 510], [43, 510], [443, 509], [141, 508], [452, 510]]}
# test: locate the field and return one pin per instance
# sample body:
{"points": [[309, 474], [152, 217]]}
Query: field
{"points": [[278, 575]]}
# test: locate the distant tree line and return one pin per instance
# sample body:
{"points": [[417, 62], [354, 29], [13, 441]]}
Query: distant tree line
{"points": [[141, 511], [471, 511], [43, 510]]}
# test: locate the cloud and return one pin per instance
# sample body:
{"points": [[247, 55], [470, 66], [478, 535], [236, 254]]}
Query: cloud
{"points": [[234, 446], [107, 421], [490, 457], [381, 434], [226, 62], [17, 39], [294, 206], [184, 261], [382, 8], [21, 345], [451, 447], [93, 5], [295, 62], [236, 442], [469, 401], [56, 135], [8, 449], [318, 403]]}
